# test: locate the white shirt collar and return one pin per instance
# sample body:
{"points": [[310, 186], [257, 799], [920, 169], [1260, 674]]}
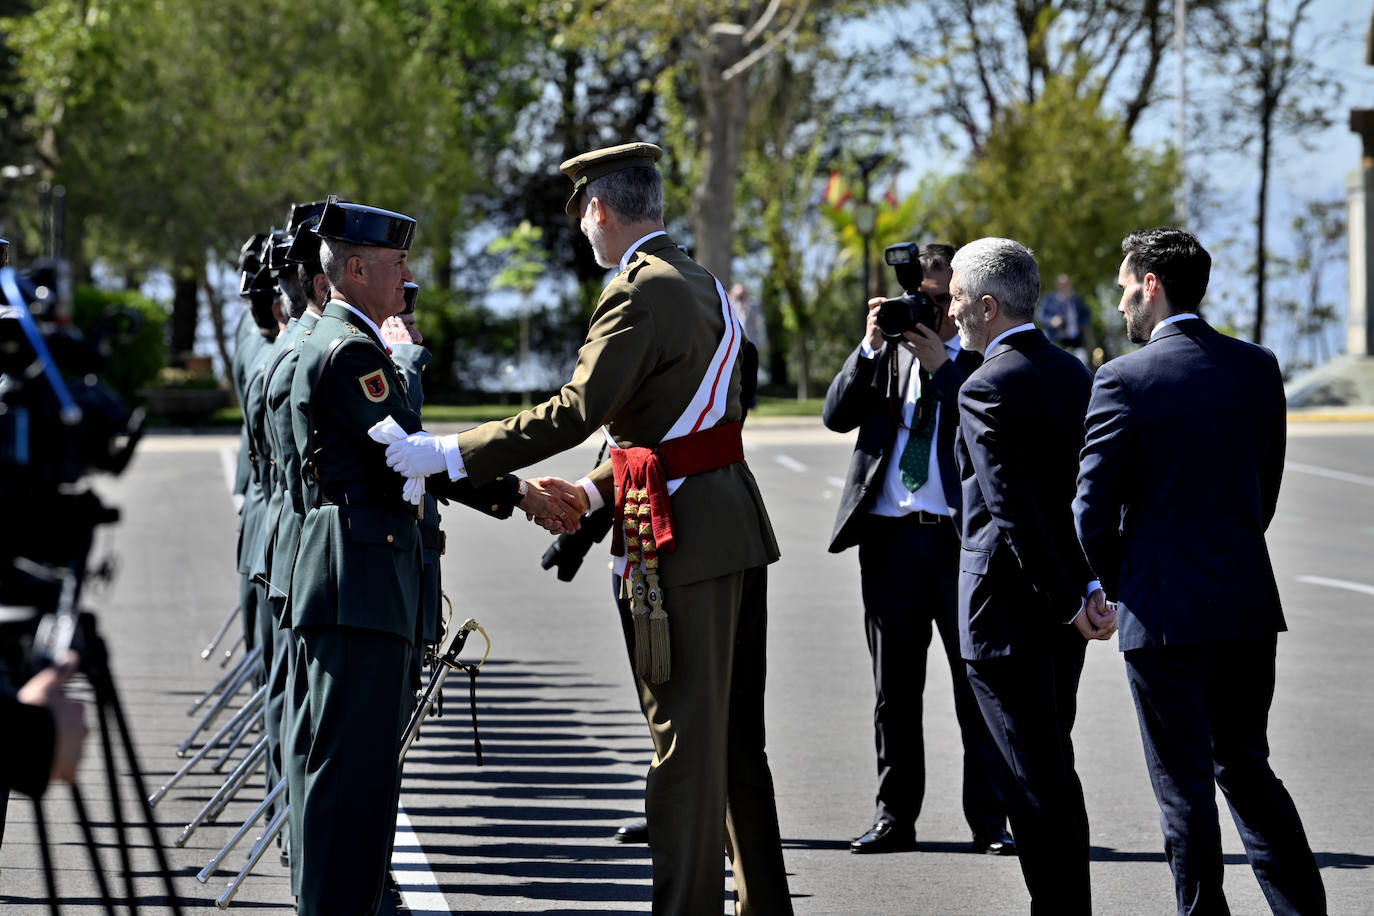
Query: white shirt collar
{"points": [[1028, 326], [366, 320], [1170, 320], [629, 252]]}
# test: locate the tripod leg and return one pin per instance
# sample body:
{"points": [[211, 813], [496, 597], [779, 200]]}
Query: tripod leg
{"points": [[116, 808], [136, 773], [210, 866], [85, 821], [224, 628], [254, 856], [49, 875]]}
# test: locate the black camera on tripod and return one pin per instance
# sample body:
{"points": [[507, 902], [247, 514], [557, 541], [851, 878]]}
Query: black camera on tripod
{"points": [[902, 314]]}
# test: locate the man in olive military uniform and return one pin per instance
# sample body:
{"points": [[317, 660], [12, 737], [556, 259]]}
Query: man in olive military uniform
{"points": [[354, 590], [660, 369]]}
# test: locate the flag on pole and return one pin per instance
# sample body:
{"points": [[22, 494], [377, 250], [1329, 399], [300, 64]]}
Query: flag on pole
{"points": [[890, 195], [836, 191]]}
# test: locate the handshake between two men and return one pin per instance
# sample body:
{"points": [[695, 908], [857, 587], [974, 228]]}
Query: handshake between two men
{"points": [[553, 503]]}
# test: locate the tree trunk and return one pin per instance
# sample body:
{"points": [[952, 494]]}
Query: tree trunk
{"points": [[724, 110], [216, 307], [1268, 103], [185, 311]]}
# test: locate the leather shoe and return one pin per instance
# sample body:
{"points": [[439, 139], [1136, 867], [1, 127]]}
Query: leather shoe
{"points": [[885, 836], [633, 831], [999, 843]]}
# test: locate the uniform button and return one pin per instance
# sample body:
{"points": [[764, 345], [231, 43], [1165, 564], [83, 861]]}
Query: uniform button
{"points": [[495, 507], [390, 539]]}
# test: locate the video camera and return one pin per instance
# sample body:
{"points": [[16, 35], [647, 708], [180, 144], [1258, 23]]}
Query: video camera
{"points": [[896, 316], [58, 422]]}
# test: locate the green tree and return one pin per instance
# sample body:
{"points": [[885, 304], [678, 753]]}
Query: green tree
{"points": [[1061, 177]]}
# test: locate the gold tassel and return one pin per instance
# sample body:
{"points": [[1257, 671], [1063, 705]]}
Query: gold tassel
{"points": [[639, 614], [661, 661]]}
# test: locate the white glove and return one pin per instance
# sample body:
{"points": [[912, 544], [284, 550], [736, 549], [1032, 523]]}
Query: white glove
{"points": [[414, 490], [387, 431], [420, 454]]}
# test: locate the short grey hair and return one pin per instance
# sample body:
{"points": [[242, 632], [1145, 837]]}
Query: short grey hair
{"points": [[1000, 268], [334, 256], [634, 195]]}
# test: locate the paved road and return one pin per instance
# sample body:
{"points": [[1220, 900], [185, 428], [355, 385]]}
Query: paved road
{"points": [[564, 747]]}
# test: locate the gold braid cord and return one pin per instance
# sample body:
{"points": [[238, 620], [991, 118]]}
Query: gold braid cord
{"points": [[652, 647]]}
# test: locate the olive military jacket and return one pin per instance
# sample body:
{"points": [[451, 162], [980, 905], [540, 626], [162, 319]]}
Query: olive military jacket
{"points": [[254, 511], [652, 337]]}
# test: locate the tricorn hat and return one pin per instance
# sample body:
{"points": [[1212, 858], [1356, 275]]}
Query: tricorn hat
{"points": [[360, 225], [412, 290], [591, 166], [305, 245], [250, 255], [302, 212]]}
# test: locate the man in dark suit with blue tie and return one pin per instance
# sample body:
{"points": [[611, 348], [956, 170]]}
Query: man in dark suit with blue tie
{"points": [[899, 497], [1179, 480], [1023, 617]]}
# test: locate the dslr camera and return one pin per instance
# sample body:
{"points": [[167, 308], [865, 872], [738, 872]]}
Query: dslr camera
{"points": [[913, 307]]}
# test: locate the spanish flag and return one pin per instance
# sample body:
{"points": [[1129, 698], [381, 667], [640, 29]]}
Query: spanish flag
{"points": [[836, 191]]}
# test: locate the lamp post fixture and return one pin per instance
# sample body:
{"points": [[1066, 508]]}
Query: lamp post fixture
{"points": [[865, 213]]}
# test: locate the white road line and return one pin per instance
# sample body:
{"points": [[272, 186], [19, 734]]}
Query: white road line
{"points": [[419, 888], [1338, 583], [1329, 473], [790, 463]]}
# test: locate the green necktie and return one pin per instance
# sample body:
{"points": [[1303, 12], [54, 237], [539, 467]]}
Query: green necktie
{"points": [[915, 461]]}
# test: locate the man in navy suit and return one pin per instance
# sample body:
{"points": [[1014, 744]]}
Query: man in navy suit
{"points": [[1023, 580], [1178, 483], [898, 502]]}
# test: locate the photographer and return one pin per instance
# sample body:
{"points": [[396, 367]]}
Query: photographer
{"points": [[899, 388]]}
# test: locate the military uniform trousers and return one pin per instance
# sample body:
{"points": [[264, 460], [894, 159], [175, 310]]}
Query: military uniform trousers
{"points": [[710, 770], [344, 775], [909, 572]]}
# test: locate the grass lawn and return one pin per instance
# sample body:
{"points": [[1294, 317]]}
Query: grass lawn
{"points": [[477, 413]]}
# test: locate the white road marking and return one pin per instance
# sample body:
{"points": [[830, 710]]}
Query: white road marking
{"points": [[419, 887], [790, 463], [1330, 473], [1338, 583]]}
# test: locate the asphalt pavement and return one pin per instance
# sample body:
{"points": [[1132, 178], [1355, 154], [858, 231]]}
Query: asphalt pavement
{"points": [[564, 748]]}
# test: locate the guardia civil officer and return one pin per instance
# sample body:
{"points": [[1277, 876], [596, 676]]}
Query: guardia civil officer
{"points": [[354, 589], [660, 369]]}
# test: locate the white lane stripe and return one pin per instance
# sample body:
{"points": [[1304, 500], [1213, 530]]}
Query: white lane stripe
{"points": [[790, 463], [419, 888], [1330, 473], [1338, 583]]}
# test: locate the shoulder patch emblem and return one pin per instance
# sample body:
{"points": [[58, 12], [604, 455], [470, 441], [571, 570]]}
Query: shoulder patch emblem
{"points": [[374, 386]]}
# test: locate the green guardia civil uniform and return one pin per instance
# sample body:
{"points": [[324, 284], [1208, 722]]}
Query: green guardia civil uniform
{"points": [[411, 359], [353, 600], [647, 356], [254, 508]]}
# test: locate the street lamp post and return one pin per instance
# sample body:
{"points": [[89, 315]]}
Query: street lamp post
{"points": [[865, 213]]}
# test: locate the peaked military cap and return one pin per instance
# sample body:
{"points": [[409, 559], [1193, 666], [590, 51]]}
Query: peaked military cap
{"points": [[360, 225], [302, 212], [591, 166], [412, 290]]}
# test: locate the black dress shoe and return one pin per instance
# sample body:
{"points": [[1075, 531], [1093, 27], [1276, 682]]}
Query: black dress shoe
{"points": [[995, 844], [885, 836], [633, 832]]}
